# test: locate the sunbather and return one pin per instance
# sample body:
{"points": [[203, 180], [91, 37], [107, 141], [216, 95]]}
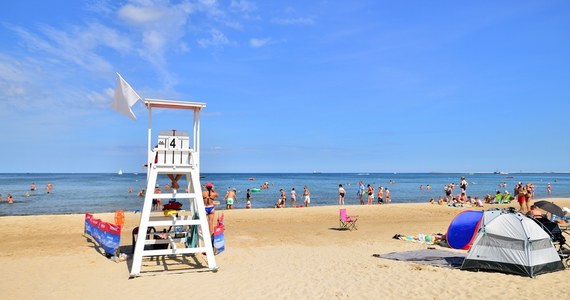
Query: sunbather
{"points": [[534, 212]]}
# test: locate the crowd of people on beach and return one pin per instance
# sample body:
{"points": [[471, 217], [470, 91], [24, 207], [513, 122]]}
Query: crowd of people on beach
{"points": [[380, 196], [522, 193], [282, 201], [454, 195], [383, 195], [368, 195]]}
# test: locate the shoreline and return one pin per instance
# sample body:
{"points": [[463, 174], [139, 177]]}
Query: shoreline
{"points": [[278, 253], [220, 208]]}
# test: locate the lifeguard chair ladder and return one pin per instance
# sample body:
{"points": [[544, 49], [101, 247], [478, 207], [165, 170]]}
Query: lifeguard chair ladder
{"points": [[174, 155]]}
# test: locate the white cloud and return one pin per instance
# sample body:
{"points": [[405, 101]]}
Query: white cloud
{"points": [[142, 14], [257, 43], [77, 45], [100, 99], [293, 21], [242, 5], [211, 6], [216, 39], [159, 23]]}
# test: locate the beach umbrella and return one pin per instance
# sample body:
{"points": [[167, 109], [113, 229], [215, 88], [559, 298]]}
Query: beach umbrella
{"points": [[550, 207]]}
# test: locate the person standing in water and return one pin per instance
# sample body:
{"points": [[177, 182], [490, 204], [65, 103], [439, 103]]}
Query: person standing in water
{"points": [[230, 198], [49, 187], [463, 185], [306, 196], [341, 193], [293, 197], [248, 199], [380, 195], [360, 192]]}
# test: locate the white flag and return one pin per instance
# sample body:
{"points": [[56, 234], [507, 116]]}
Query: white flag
{"points": [[125, 97]]}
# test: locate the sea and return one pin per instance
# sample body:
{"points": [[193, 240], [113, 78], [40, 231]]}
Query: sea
{"points": [[106, 192]]}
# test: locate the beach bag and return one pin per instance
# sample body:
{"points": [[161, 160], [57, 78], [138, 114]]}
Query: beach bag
{"points": [[219, 243]]}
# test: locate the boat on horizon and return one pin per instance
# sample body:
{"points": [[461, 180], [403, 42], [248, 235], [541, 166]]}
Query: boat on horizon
{"points": [[120, 172]]}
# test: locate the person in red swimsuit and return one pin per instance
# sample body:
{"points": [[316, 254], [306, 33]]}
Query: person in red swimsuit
{"points": [[521, 198]]}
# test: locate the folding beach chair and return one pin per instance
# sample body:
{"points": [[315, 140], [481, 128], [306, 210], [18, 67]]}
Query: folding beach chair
{"points": [[346, 221]]}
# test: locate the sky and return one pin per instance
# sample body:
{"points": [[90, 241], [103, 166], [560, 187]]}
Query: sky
{"points": [[289, 86]]}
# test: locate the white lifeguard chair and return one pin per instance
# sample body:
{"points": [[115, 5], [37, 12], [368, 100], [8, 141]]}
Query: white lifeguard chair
{"points": [[175, 155]]}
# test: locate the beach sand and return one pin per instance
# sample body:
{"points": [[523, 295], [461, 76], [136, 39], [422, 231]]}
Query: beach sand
{"points": [[292, 253]]}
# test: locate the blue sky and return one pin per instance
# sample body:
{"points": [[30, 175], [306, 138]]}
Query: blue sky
{"points": [[290, 86]]}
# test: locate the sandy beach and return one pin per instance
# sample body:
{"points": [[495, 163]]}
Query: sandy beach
{"points": [[292, 253]]}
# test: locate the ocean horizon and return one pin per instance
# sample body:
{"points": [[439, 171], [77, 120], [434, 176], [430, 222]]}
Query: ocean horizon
{"points": [[106, 192]]}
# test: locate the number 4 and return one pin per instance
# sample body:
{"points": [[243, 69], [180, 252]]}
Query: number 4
{"points": [[173, 143]]}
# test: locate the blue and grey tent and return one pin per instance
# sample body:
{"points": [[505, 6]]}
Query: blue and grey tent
{"points": [[512, 243]]}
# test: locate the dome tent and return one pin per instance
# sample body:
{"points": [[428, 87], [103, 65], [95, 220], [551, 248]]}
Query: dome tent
{"points": [[510, 242]]}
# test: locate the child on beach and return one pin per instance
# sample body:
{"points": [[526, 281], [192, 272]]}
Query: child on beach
{"points": [[248, 199]]}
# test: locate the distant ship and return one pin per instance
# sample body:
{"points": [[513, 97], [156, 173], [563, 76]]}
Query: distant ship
{"points": [[120, 172]]}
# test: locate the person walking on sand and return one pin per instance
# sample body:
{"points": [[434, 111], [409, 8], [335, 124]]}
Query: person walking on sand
{"points": [[293, 197], [388, 196], [341, 193], [306, 196], [521, 198], [529, 195]]}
